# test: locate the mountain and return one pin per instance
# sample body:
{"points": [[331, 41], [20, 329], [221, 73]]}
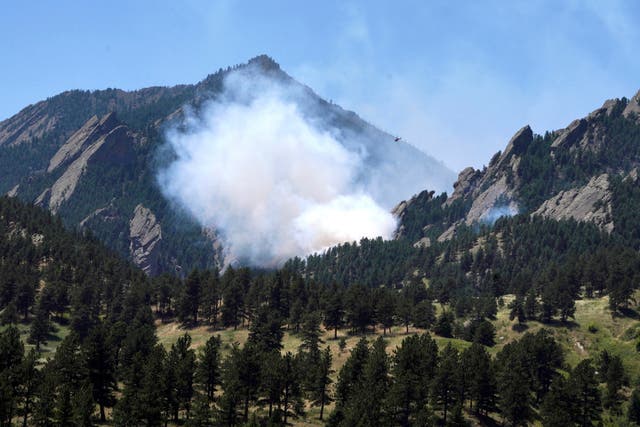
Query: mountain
{"points": [[582, 172], [92, 158]]}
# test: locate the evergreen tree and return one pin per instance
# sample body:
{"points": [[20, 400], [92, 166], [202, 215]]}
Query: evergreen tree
{"points": [[309, 350], [351, 372], [265, 332], [385, 309], [615, 378], [210, 299], [556, 409], [482, 382], [11, 356], [514, 385], [404, 311], [29, 381], [444, 324], [208, 371], [334, 310], [182, 361], [40, 328], [189, 303], [584, 386], [101, 366], [228, 412], [412, 370], [321, 394], [446, 382], [424, 314], [366, 405]]}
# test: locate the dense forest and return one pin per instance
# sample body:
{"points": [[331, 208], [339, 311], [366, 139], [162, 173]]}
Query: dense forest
{"points": [[111, 365]]}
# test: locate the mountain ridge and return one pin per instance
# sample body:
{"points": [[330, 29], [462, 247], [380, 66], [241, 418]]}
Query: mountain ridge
{"points": [[62, 153], [563, 174]]}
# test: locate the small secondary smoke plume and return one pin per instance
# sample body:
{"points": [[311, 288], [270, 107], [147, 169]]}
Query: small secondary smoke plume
{"points": [[497, 212], [276, 185]]}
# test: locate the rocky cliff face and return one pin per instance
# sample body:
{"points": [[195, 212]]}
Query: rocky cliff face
{"points": [[591, 203], [145, 235], [104, 141]]}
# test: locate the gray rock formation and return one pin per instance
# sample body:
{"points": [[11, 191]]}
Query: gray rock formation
{"points": [[517, 144], [98, 141], [590, 203], [92, 130], [497, 197], [633, 106], [571, 134], [145, 235], [32, 122], [466, 183]]}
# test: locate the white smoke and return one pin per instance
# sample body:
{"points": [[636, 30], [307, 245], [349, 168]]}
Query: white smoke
{"points": [[498, 211], [276, 185]]}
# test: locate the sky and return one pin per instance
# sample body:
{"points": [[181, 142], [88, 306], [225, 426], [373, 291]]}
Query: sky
{"points": [[455, 79]]}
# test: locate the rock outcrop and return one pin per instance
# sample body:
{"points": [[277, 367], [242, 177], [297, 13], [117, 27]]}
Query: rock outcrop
{"points": [[92, 130], [466, 183], [572, 134], [498, 197], [591, 203], [145, 235], [633, 106], [517, 144], [32, 122], [104, 141]]}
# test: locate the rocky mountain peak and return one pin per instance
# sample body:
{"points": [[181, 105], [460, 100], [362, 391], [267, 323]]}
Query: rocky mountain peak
{"points": [[633, 106], [518, 143], [265, 62]]}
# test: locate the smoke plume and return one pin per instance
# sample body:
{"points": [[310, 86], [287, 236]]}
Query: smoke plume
{"points": [[275, 181]]}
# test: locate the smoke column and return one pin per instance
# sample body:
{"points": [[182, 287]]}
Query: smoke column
{"points": [[273, 182]]}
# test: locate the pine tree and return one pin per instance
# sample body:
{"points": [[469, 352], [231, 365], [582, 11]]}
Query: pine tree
{"points": [[334, 310], [366, 405], [29, 382], [189, 303], [514, 385], [446, 382], [404, 311], [40, 328], [208, 371], [182, 361], [265, 332], [321, 394], [424, 314], [482, 382], [615, 378], [210, 300], [556, 409], [412, 370], [228, 412], [385, 309], [11, 356], [101, 366], [584, 386]]}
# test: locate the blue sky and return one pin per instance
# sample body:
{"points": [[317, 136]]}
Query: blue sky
{"points": [[456, 79]]}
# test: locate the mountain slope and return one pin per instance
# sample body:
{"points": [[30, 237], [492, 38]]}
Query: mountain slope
{"points": [[576, 173], [92, 157]]}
